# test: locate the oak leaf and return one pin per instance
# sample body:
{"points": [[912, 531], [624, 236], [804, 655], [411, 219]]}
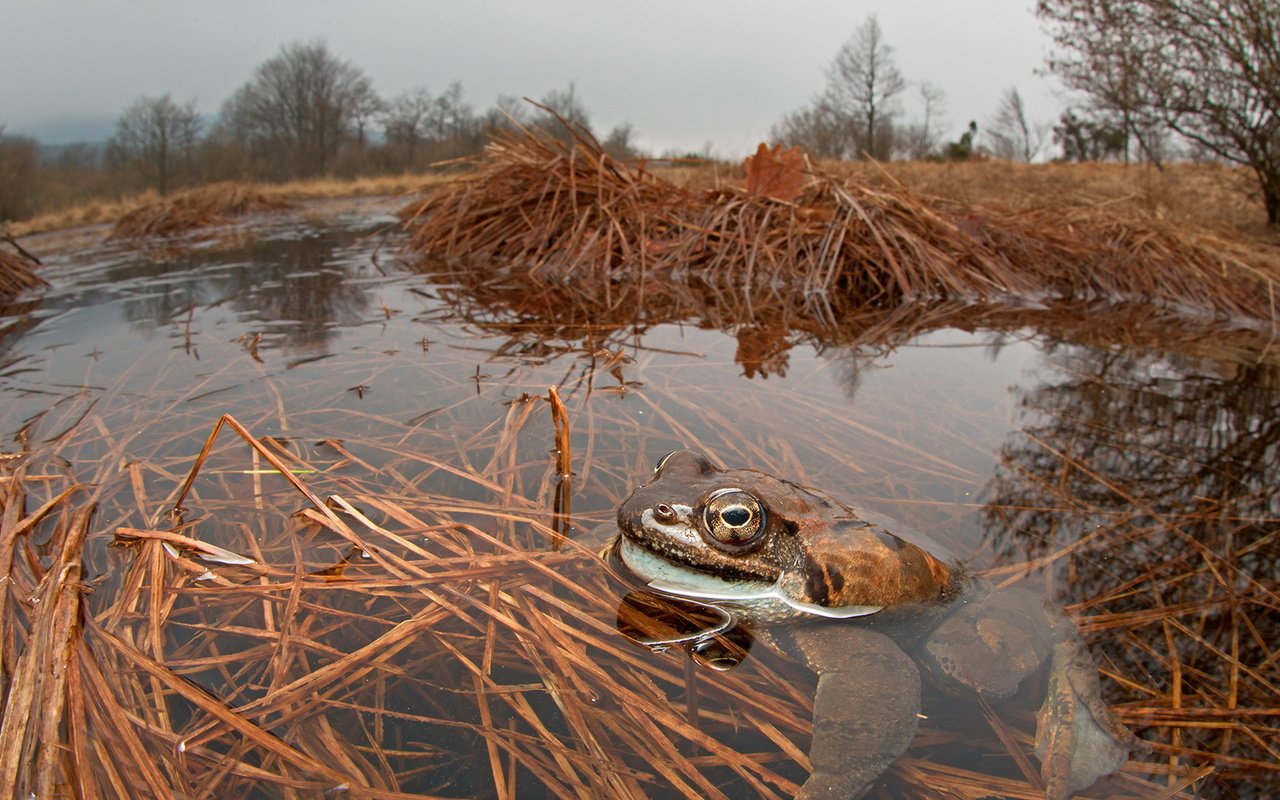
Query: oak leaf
{"points": [[775, 172]]}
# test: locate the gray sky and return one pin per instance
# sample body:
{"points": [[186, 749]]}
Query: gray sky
{"points": [[683, 73]]}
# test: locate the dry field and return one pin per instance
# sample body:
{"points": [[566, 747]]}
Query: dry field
{"points": [[1208, 197], [109, 211]]}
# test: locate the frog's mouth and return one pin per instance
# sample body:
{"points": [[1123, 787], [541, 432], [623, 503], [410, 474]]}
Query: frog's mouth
{"points": [[669, 577]]}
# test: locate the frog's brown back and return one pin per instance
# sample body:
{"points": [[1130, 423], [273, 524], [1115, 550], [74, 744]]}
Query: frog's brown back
{"points": [[857, 563]]}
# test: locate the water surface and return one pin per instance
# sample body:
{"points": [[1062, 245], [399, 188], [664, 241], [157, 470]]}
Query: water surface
{"points": [[1118, 467]]}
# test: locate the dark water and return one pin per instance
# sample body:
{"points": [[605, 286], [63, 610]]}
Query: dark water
{"points": [[1121, 465]]}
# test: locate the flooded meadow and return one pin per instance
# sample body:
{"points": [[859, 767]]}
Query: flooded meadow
{"points": [[380, 584]]}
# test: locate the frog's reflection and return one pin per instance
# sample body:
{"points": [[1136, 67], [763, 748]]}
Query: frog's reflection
{"points": [[710, 635]]}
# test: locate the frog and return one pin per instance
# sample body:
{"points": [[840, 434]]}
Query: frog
{"points": [[874, 609]]}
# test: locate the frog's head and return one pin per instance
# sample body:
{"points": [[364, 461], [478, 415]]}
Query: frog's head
{"points": [[767, 548]]}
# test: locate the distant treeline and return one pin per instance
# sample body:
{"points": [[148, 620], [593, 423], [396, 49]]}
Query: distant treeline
{"points": [[303, 113]]}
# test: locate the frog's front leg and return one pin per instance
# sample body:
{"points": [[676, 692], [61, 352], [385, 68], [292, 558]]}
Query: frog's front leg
{"points": [[865, 708], [998, 639]]}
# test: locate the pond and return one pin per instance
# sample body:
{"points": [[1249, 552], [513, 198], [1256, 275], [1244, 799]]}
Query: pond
{"points": [[440, 623]]}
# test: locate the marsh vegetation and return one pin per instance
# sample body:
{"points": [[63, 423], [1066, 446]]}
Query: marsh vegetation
{"points": [[381, 580]]}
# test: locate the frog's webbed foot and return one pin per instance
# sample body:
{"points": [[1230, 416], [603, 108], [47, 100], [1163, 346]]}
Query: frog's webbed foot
{"points": [[992, 643], [1078, 739], [864, 711], [995, 641]]}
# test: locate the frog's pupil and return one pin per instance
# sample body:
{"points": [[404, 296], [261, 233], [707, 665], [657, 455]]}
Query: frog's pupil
{"points": [[733, 520]]}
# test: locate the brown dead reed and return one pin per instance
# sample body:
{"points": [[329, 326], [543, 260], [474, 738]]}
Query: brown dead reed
{"points": [[571, 213], [193, 210], [384, 644], [17, 269]]}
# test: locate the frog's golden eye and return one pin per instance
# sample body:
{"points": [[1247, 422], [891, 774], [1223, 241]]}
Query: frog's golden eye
{"points": [[733, 518]]}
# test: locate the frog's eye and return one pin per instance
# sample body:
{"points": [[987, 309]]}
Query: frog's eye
{"points": [[733, 518]]}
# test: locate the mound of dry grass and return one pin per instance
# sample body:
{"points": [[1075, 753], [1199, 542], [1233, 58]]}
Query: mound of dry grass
{"points": [[574, 214], [193, 210], [17, 270]]}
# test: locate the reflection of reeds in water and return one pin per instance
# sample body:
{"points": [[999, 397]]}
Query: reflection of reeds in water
{"points": [[393, 642], [192, 210], [574, 214]]}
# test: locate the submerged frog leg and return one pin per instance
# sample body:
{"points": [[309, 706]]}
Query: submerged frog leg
{"points": [[864, 711], [1078, 739], [1000, 637]]}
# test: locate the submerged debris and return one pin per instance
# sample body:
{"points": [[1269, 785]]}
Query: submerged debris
{"points": [[192, 210], [574, 214]]}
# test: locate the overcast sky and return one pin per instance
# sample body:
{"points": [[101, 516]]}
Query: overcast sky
{"points": [[683, 73]]}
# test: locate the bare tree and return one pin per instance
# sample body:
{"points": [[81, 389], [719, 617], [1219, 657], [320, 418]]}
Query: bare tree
{"points": [[297, 109], [862, 86], [1207, 69], [817, 129], [854, 115], [453, 118], [568, 105], [507, 112], [923, 139], [1011, 135], [156, 138], [366, 105], [17, 176], [620, 143], [405, 122]]}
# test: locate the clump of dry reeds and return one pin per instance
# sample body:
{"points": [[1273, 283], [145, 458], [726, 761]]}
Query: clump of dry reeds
{"points": [[572, 213], [204, 207], [17, 270]]}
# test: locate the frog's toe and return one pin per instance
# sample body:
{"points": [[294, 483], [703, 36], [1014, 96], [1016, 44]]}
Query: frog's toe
{"points": [[826, 786]]}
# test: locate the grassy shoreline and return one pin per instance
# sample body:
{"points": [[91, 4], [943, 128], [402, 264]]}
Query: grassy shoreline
{"points": [[1214, 203], [98, 212]]}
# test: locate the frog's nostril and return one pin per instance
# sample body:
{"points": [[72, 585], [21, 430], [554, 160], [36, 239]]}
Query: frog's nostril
{"points": [[664, 513]]}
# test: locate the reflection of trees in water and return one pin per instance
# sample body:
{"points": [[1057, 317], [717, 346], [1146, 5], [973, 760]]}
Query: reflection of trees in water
{"points": [[1139, 437], [293, 284], [1169, 468]]}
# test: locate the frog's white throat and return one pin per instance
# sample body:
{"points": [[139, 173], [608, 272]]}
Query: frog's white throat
{"points": [[767, 599]]}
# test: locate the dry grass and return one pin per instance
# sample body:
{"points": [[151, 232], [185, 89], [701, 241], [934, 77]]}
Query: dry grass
{"points": [[577, 215], [421, 627], [1203, 198], [108, 211], [1208, 198], [17, 269], [193, 210]]}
